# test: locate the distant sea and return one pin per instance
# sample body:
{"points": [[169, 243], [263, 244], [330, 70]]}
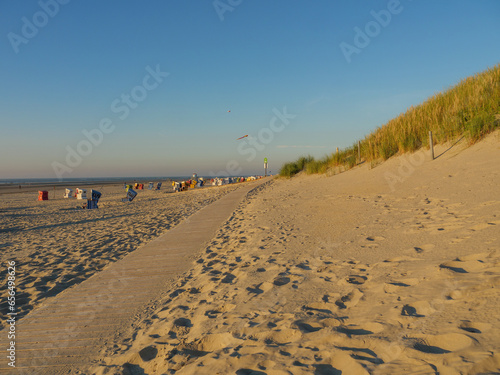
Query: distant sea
{"points": [[87, 180]]}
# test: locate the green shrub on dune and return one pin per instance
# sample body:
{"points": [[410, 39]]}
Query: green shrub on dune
{"points": [[289, 170]]}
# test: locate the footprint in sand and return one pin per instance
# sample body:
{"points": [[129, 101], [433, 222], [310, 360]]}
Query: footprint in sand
{"points": [[395, 286], [363, 354], [442, 228], [246, 371], [281, 280], [371, 241], [356, 279], [417, 309], [148, 353], [439, 344], [361, 329], [459, 266], [228, 278], [423, 248], [474, 327], [482, 226], [308, 325], [349, 300], [181, 327], [303, 266], [374, 238]]}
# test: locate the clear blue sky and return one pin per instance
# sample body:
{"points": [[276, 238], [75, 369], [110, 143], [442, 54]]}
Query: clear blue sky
{"points": [[251, 57]]}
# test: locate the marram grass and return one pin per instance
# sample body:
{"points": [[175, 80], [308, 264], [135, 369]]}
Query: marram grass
{"points": [[470, 109]]}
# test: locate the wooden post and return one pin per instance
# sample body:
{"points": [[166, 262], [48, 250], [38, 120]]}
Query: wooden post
{"points": [[54, 192], [337, 150], [359, 152], [431, 145]]}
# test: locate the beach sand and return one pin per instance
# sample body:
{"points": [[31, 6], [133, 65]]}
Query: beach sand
{"points": [[392, 269], [56, 244]]}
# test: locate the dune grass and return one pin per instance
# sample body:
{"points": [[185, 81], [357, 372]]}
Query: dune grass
{"points": [[469, 109]]}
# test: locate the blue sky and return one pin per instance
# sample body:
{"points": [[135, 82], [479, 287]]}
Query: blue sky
{"points": [[67, 66]]}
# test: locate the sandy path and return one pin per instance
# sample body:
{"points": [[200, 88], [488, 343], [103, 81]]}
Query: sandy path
{"points": [[394, 269]]}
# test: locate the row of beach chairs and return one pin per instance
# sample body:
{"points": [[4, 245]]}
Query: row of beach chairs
{"points": [[81, 194], [94, 196]]}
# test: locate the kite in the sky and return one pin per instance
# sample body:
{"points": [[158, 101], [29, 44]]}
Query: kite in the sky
{"points": [[243, 137], [228, 111]]}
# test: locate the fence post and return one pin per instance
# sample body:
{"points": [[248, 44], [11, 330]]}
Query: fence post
{"points": [[431, 145], [337, 150], [359, 151]]}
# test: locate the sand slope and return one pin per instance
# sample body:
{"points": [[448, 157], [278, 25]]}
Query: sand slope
{"points": [[386, 270]]}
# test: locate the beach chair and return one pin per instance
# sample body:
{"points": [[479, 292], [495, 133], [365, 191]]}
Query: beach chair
{"points": [[151, 185], [68, 193], [81, 193], [91, 204], [43, 195], [158, 186], [94, 199], [131, 194], [95, 195]]}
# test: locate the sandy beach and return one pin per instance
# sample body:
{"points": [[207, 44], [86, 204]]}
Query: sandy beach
{"points": [[386, 270], [271, 188], [56, 244], [383, 269]]}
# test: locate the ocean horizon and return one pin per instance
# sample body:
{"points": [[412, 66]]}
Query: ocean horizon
{"points": [[34, 181], [87, 180]]}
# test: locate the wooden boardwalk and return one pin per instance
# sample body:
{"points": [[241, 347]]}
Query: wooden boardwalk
{"points": [[66, 333]]}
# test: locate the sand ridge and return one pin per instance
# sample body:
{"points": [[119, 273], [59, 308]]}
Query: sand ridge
{"points": [[345, 273]]}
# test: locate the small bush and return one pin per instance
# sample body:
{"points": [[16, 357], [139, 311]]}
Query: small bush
{"points": [[289, 170]]}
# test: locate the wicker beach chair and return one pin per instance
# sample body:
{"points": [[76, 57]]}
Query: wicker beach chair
{"points": [[131, 194]]}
